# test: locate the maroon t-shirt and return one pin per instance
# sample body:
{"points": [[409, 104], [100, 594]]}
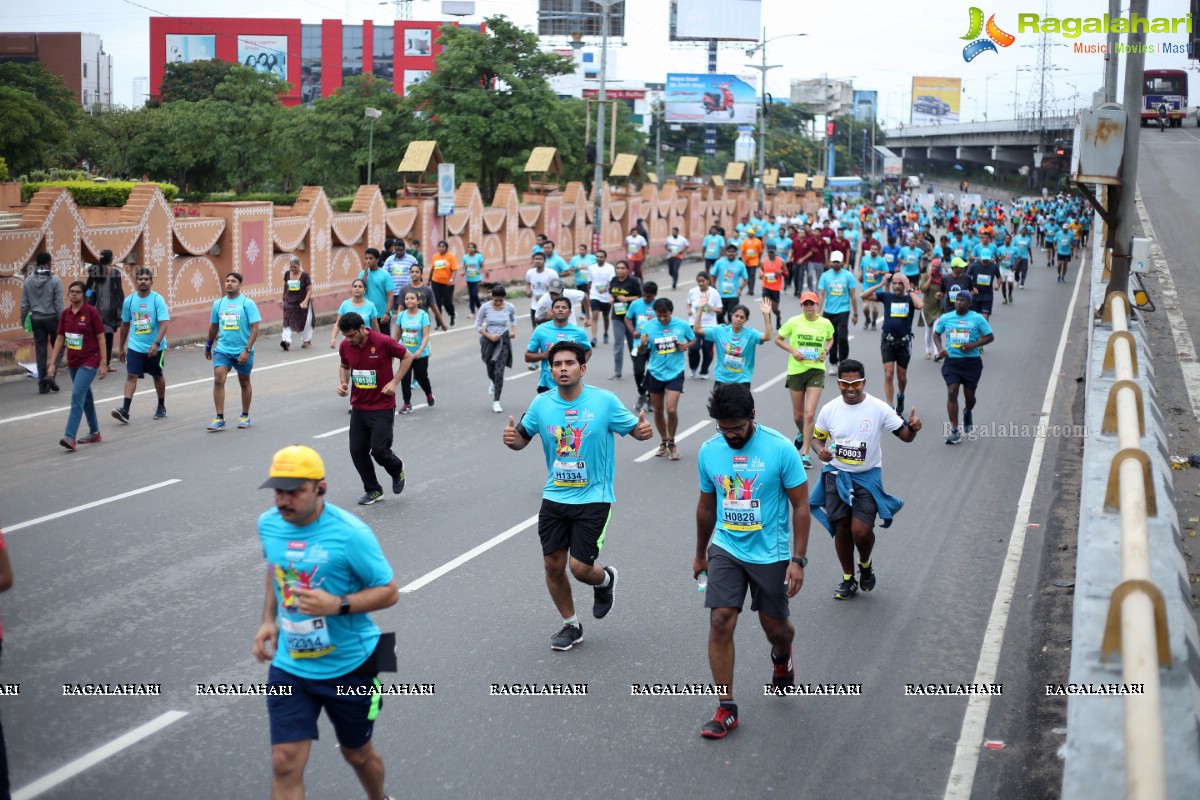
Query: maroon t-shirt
{"points": [[370, 368], [82, 329], [815, 246], [841, 245]]}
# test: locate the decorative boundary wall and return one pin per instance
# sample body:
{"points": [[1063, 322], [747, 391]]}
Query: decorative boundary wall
{"points": [[189, 255]]}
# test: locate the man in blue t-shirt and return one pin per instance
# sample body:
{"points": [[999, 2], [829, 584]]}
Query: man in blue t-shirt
{"points": [[325, 574], [144, 321], [545, 336], [838, 297], [381, 286], [576, 423], [967, 332], [730, 276], [713, 245], [752, 524], [1064, 243], [666, 339], [232, 331]]}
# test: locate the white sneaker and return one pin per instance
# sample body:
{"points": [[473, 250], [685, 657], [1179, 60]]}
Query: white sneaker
{"points": [[496, 406], [491, 389]]}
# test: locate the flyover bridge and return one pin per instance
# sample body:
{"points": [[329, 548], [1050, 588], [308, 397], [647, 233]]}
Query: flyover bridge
{"points": [[1006, 144]]}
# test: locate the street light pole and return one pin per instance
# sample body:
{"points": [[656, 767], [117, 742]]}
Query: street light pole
{"points": [[987, 78], [762, 111], [371, 114], [602, 96]]}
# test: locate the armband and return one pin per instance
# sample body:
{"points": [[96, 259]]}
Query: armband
{"points": [[208, 346]]}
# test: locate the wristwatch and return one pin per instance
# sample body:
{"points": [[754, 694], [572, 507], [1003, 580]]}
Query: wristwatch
{"points": [[345, 609], [801, 560]]}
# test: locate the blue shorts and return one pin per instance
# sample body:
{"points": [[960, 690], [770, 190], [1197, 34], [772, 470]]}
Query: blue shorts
{"points": [[231, 362], [982, 304], [352, 714], [964, 369], [141, 364]]}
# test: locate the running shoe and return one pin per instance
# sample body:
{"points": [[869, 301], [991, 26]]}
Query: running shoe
{"points": [[160, 412], [593, 341], [691, 373], [285, 345], [955, 436], [67, 442], [806, 461], [616, 376], [703, 376], [406, 408], [899, 404], [968, 421], [91, 438], [430, 399], [398, 480], [305, 345], [606, 338], [846, 589], [568, 637], [722, 722], [370, 497], [496, 406], [641, 403], [672, 451], [866, 578], [120, 415], [798, 441], [783, 674], [603, 600], [491, 389], [218, 424], [244, 421], [662, 450]]}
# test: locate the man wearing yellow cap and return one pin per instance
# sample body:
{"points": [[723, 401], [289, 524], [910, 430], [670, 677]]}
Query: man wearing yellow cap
{"points": [[325, 573]]}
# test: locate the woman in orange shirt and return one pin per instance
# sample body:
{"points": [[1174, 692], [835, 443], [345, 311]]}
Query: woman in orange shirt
{"points": [[444, 266]]}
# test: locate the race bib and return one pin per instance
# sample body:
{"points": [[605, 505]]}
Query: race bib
{"points": [[620, 308], [472, 271], [601, 288], [74, 341], [363, 378], [571, 474], [734, 363], [850, 452], [889, 257], [769, 276], [293, 286], [959, 338], [741, 515], [674, 249], [632, 250], [810, 353], [307, 638], [728, 287], [983, 280], [231, 321], [409, 339], [439, 264], [898, 309], [665, 345], [711, 252], [142, 326]]}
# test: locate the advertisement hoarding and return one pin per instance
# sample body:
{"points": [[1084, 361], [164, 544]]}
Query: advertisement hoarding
{"points": [[566, 17], [264, 54], [935, 101], [713, 99], [727, 20], [184, 49], [892, 166]]}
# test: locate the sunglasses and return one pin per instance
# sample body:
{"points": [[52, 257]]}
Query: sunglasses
{"points": [[851, 384]]}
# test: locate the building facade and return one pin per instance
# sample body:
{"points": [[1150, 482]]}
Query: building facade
{"points": [[78, 58]]}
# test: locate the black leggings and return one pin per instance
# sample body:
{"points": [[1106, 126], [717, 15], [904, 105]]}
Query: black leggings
{"points": [[443, 295], [420, 371], [473, 296], [841, 337], [694, 352]]}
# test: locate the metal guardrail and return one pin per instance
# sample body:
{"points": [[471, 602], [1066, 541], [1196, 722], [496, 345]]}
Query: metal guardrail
{"points": [[1022, 125]]}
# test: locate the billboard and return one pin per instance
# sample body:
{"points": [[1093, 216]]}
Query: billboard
{"points": [[728, 20], [184, 49], [866, 104], [565, 17], [710, 98], [935, 101], [264, 54], [821, 96]]}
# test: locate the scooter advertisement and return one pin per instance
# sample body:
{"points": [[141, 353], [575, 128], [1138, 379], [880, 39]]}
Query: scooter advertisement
{"points": [[716, 99]]}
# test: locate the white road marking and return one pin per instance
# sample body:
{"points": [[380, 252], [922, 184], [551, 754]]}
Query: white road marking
{"points": [[781, 376], [86, 506], [970, 739], [1179, 330], [679, 437], [64, 773], [336, 431], [453, 564]]}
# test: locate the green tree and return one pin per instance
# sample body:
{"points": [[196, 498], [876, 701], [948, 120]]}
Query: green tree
{"points": [[106, 138], [193, 81], [39, 112], [247, 104], [183, 147]]}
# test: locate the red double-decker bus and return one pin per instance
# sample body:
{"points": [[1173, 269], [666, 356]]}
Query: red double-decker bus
{"points": [[1165, 87]]}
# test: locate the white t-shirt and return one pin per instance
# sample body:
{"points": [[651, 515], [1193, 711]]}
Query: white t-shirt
{"points": [[634, 244], [599, 277], [540, 281], [541, 309], [676, 245], [695, 299], [855, 433]]}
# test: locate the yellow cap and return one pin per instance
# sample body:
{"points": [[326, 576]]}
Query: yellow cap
{"points": [[293, 466]]}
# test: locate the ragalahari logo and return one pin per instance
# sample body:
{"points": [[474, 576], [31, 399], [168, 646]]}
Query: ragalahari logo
{"points": [[995, 36]]}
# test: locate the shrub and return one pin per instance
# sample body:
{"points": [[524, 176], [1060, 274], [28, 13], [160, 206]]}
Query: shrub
{"points": [[112, 194], [341, 203], [3, 170]]}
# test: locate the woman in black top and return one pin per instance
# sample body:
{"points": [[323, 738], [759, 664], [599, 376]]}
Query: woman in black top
{"points": [[105, 292]]}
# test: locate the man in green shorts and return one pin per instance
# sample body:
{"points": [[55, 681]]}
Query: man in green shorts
{"points": [[807, 339]]}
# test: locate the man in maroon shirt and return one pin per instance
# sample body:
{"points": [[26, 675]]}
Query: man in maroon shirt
{"points": [[869, 240], [812, 256], [82, 331], [367, 367], [839, 244]]}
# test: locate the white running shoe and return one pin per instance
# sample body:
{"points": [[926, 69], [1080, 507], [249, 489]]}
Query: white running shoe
{"points": [[496, 406], [491, 389]]}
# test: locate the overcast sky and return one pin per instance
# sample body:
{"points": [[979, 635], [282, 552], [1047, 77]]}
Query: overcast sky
{"points": [[882, 43]]}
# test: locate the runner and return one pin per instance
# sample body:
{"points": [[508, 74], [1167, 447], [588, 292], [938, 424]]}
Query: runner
{"points": [[400, 266], [930, 286], [1008, 278], [41, 306], [441, 278], [640, 312], [625, 288], [901, 303], [743, 539], [750, 252], [426, 301], [365, 374], [232, 331], [874, 269], [576, 423], [775, 274], [703, 299], [714, 245], [850, 491], [473, 272], [548, 334], [578, 268], [735, 344], [730, 276], [807, 338], [325, 574], [146, 312], [497, 326], [553, 260], [635, 251], [359, 304], [297, 314], [667, 339], [968, 333], [1064, 244], [556, 289], [537, 279], [381, 287], [1021, 244], [82, 330], [836, 290], [414, 326], [984, 276], [676, 247], [600, 276]]}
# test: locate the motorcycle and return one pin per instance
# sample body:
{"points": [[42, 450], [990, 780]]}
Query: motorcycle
{"points": [[719, 102], [1162, 116]]}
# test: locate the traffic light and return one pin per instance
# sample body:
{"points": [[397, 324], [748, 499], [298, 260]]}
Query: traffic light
{"points": [[1060, 151], [831, 129]]}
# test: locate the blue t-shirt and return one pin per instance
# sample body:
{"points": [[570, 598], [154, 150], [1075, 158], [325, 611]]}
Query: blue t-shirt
{"points": [[380, 288], [367, 311], [578, 266], [666, 359], [577, 439], [546, 336], [233, 319], [962, 328], [143, 315], [889, 253], [713, 245], [750, 486], [836, 284], [733, 353], [727, 275], [473, 267], [639, 314], [410, 330], [336, 553], [556, 263], [910, 261], [984, 252], [874, 270], [1065, 240], [1021, 246]]}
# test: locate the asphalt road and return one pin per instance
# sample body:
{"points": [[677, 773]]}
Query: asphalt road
{"points": [[165, 587]]}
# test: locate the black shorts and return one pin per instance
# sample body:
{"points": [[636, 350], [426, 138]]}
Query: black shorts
{"points": [[896, 350], [579, 527], [653, 385], [599, 305], [965, 370], [1064, 259], [982, 304], [862, 503], [543, 389], [294, 718], [141, 364], [770, 294], [729, 577]]}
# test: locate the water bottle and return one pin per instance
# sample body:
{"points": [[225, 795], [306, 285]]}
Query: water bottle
{"points": [[702, 581], [633, 351]]}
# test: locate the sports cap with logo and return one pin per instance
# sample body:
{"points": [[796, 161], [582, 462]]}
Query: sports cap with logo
{"points": [[294, 466]]}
